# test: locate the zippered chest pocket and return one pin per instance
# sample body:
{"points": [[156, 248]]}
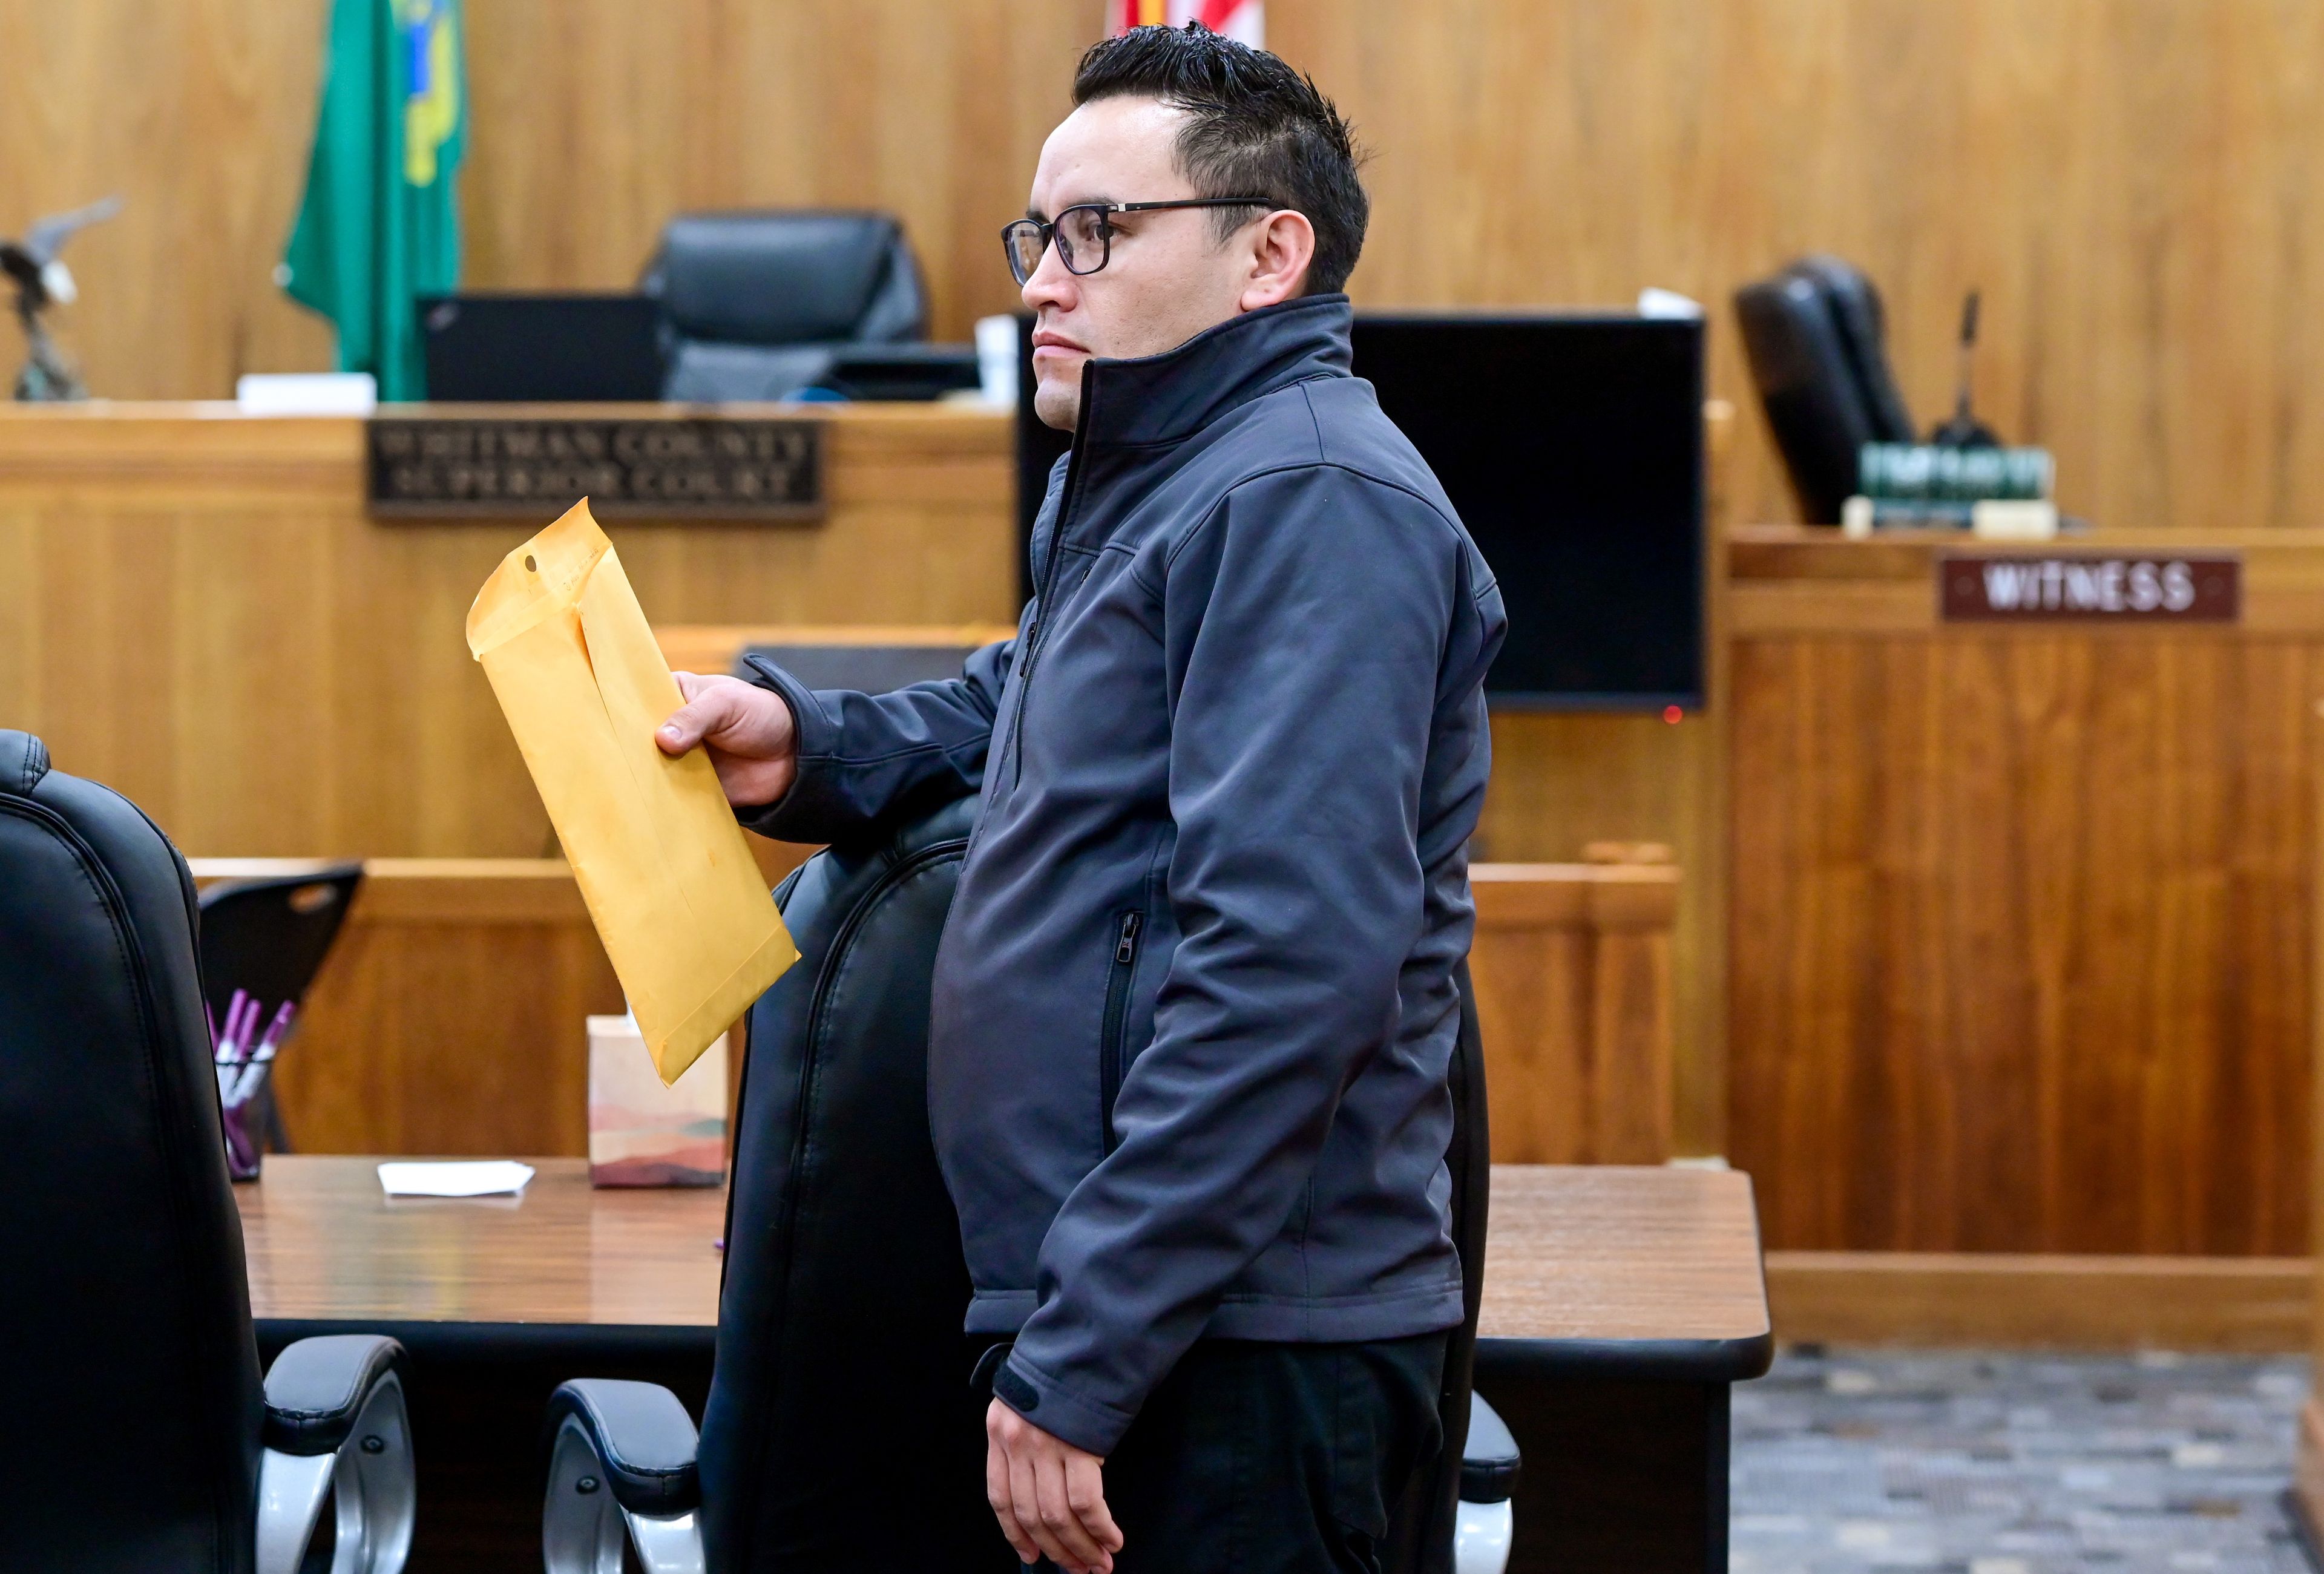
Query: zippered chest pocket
{"points": [[1113, 1050]]}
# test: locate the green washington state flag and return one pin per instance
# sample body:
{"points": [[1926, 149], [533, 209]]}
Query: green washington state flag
{"points": [[380, 223]]}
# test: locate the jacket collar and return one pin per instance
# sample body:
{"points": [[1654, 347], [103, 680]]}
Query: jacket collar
{"points": [[1171, 397]]}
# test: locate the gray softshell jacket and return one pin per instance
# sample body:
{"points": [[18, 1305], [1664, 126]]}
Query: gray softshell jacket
{"points": [[1194, 1002]]}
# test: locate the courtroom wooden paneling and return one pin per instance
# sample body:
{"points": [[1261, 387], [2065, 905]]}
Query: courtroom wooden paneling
{"points": [[198, 114], [2049, 1301], [935, 111], [2131, 184], [1572, 967], [449, 1017], [1563, 781], [2128, 183], [591, 123], [194, 610], [1793, 580], [2022, 941]]}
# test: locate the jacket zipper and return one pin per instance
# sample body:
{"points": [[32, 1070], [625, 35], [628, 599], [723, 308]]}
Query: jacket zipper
{"points": [[1047, 583], [1113, 1050]]}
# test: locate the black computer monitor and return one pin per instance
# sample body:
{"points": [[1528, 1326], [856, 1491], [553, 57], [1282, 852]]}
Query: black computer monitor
{"points": [[1572, 446], [504, 347]]}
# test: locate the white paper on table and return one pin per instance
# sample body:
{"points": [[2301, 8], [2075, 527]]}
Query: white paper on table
{"points": [[476, 1178]]}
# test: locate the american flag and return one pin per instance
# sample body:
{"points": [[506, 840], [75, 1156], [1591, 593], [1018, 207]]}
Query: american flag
{"points": [[1243, 21]]}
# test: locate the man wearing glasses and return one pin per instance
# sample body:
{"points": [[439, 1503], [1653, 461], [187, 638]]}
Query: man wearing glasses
{"points": [[1194, 1003]]}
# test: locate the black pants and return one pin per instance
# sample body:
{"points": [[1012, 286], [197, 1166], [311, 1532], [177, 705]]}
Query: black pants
{"points": [[1276, 1458]]}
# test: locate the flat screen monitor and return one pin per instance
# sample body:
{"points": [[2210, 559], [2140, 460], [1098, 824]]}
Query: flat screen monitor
{"points": [[1571, 444], [500, 348]]}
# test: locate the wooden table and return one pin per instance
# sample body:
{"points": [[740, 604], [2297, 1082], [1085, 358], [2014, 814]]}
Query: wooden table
{"points": [[1620, 1305], [325, 1243]]}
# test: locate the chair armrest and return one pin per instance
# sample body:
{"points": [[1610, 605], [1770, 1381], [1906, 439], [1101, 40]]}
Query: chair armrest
{"points": [[1489, 1458], [337, 1430], [316, 1388], [642, 1437]]}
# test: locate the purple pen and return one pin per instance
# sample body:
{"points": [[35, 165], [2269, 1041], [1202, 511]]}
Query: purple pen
{"points": [[224, 1052], [241, 1050], [275, 1031]]}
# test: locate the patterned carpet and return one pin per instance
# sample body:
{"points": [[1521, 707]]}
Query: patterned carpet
{"points": [[1848, 1462]]}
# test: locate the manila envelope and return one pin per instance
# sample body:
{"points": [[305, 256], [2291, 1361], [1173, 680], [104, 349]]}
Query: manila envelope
{"points": [[689, 926]]}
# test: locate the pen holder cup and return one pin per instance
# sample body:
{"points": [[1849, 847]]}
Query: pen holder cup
{"points": [[244, 1094]]}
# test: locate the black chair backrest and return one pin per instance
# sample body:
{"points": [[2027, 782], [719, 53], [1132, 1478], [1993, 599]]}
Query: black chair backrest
{"points": [[757, 303], [269, 936], [839, 1326], [1816, 340], [865, 668], [129, 1439]]}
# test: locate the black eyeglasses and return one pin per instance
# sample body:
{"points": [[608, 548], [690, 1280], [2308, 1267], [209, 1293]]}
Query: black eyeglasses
{"points": [[1084, 232]]}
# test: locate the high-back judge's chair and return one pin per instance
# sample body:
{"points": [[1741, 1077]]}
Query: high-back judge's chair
{"points": [[136, 1433], [759, 305], [841, 1415]]}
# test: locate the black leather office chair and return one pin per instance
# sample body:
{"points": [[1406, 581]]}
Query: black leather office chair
{"points": [[1817, 342], [758, 305], [865, 668], [136, 1433], [839, 1324], [267, 937]]}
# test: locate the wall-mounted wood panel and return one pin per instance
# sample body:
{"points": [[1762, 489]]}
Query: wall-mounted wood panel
{"points": [[2021, 940], [195, 611], [2041, 1300], [592, 122], [2131, 183], [1572, 969], [449, 1017]]}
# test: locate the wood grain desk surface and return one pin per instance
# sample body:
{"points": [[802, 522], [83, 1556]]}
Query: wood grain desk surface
{"points": [[323, 1242], [1596, 1254]]}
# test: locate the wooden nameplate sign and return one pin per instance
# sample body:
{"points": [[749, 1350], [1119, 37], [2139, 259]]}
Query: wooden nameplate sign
{"points": [[689, 468], [2087, 587]]}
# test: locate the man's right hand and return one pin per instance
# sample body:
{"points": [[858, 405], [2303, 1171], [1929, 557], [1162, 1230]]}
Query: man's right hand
{"points": [[747, 731]]}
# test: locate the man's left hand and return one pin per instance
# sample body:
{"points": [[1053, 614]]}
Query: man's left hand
{"points": [[1048, 1495]]}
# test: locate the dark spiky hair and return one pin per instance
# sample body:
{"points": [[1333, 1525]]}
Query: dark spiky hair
{"points": [[1255, 128]]}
